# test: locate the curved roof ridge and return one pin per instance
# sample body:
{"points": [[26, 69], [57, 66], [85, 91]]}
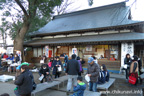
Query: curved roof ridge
{"points": [[120, 4]]}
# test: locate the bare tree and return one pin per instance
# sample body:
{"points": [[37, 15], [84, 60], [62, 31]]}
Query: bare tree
{"points": [[65, 7]]}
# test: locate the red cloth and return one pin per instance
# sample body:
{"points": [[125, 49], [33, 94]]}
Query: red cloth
{"points": [[5, 56]]}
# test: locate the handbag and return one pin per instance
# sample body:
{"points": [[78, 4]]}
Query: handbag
{"points": [[132, 78], [59, 69]]}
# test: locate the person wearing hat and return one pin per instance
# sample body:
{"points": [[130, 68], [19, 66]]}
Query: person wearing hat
{"points": [[24, 82], [134, 68], [93, 72]]}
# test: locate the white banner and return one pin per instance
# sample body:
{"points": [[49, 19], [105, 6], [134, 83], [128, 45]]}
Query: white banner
{"points": [[126, 48], [47, 51], [74, 51]]}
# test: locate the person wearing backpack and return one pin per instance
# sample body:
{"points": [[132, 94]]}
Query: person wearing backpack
{"points": [[134, 68], [101, 78], [106, 73]]}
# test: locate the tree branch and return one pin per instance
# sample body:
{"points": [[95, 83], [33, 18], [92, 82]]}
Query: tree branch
{"points": [[23, 9]]}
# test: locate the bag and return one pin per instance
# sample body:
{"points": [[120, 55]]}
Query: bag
{"points": [[59, 69], [41, 61], [132, 78], [49, 78], [125, 66], [87, 78]]}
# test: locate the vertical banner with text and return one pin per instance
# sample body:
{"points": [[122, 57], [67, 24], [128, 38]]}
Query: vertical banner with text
{"points": [[126, 48]]}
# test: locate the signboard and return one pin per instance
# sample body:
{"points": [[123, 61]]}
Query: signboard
{"points": [[126, 48], [74, 51], [47, 51]]}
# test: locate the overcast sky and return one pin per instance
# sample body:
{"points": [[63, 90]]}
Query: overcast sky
{"points": [[137, 8]]}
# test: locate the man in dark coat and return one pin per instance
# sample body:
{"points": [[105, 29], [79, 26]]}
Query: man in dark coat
{"points": [[24, 81], [72, 71], [93, 72]]}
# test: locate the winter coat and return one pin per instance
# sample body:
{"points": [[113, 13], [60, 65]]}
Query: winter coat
{"points": [[66, 59], [24, 82], [50, 64], [43, 71], [140, 65], [134, 67], [80, 65], [107, 75], [72, 67], [79, 89], [94, 70], [55, 68], [128, 62], [101, 78]]}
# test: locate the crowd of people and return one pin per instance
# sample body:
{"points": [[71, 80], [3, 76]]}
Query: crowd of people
{"points": [[73, 69], [133, 67], [13, 59]]}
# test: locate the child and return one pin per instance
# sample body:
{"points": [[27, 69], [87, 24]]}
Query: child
{"points": [[44, 71], [79, 89]]}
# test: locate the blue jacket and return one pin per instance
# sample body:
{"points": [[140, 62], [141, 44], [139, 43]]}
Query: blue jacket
{"points": [[79, 89], [66, 59]]}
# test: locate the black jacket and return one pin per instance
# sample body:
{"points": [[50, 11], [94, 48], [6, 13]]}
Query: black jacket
{"points": [[43, 71], [72, 67], [24, 82], [128, 62]]}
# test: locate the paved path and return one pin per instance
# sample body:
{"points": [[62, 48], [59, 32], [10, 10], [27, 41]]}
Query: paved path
{"points": [[7, 88]]}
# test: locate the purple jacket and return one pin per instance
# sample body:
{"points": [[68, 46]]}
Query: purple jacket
{"points": [[80, 65]]}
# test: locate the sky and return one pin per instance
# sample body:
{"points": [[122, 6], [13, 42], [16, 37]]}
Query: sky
{"points": [[137, 8]]}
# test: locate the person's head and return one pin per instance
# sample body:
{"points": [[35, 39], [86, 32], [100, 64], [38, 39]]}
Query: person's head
{"points": [[135, 58], [94, 57], [24, 68], [103, 67], [44, 66], [127, 55], [64, 54], [4, 53], [74, 56], [11, 55], [90, 60], [78, 58], [16, 55], [57, 58], [101, 56], [79, 79], [44, 54]]}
